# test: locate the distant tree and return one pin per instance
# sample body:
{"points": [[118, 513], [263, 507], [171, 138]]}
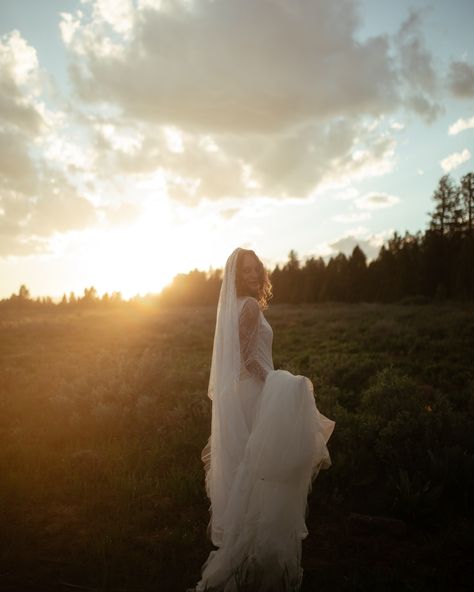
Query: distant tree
{"points": [[336, 285], [467, 193], [357, 275], [446, 198], [293, 263], [292, 278], [277, 278], [436, 263], [90, 297], [312, 279], [23, 293], [214, 281], [193, 288], [116, 298], [465, 277], [438, 243]]}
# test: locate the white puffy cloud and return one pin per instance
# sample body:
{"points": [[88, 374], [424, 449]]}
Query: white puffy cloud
{"points": [[461, 125], [454, 160], [263, 97], [59, 207], [397, 126], [252, 65], [235, 99], [205, 100], [19, 85], [36, 198], [370, 243], [118, 14], [376, 201], [17, 170]]}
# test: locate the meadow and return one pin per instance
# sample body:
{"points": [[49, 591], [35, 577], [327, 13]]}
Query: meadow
{"points": [[103, 415]]}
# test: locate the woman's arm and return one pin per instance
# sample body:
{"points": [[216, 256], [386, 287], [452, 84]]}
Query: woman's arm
{"points": [[249, 325]]}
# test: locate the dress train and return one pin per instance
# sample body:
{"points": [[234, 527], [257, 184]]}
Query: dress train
{"points": [[265, 513]]}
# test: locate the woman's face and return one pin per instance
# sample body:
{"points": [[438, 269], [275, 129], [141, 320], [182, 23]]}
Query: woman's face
{"points": [[250, 273]]}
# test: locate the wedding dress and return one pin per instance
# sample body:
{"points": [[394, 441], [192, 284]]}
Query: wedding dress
{"points": [[267, 445]]}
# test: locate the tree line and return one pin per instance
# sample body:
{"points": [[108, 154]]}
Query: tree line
{"points": [[435, 264]]}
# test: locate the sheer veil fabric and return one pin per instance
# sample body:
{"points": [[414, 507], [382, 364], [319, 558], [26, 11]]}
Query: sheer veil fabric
{"points": [[258, 473], [229, 431]]}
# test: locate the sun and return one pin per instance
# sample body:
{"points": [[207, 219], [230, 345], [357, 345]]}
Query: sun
{"points": [[144, 256], [131, 258]]}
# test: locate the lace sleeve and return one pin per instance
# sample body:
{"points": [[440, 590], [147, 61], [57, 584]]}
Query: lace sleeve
{"points": [[249, 323]]}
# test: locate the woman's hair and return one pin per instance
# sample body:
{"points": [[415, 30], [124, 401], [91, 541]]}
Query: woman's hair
{"points": [[264, 293]]}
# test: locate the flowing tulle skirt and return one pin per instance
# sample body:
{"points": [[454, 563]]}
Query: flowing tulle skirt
{"points": [[265, 512]]}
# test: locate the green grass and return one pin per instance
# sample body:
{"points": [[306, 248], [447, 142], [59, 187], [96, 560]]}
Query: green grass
{"points": [[103, 417]]}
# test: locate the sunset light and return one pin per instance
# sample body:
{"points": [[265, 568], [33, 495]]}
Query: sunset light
{"points": [[236, 295], [129, 156]]}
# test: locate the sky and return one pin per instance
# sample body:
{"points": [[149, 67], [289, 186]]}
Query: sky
{"points": [[144, 138]]}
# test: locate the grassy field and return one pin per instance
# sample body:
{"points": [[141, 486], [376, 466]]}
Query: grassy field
{"points": [[103, 416]]}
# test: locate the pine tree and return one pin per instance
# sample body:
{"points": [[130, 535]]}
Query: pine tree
{"points": [[466, 258], [467, 194], [292, 278], [445, 216], [357, 271], [23, 293]]}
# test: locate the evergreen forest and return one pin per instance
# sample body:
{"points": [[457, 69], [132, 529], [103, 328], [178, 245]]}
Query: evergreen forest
{"points": [[436, 264]]}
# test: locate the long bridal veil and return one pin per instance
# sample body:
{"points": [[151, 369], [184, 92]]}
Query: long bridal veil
{"points": [[229, 431], [258, 482]]}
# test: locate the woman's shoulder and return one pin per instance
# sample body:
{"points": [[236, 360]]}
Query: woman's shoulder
{"points": [[249, 303], [248, 299]]}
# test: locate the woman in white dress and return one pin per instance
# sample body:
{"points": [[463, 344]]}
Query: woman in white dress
{"points": [[267, 444]]}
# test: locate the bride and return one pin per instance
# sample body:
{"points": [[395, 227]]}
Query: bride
{"points": [[267, 444]]}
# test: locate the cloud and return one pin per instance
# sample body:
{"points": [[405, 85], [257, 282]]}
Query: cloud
{"points": [[346, 194], [461, 80], [17, 170], [290, 164], [424, 107], [19, 85], [261, 97], [58, 208], [376, 201], [397, 126], [461, 125], [20, 246], [29, 219], [416, 60], [222, 66], [229, 213], [121, 214], [204, 101], [417, 71], [454, 160], [370, 243], [36, 198], [118, 14]]}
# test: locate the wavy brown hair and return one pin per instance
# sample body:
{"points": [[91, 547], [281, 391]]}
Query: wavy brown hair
{"points": [[264, 293]]}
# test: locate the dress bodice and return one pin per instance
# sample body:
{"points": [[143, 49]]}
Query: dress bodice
{"points": [[256, 337], [265, 343]]}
